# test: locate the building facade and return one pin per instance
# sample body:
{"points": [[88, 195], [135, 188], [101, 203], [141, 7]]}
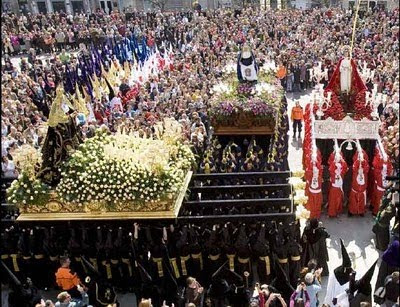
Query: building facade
{"points": [[87, 6], [370, 4]]}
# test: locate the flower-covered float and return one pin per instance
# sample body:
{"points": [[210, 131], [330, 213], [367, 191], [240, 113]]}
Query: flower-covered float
{"points": [[243, 106], [110, 176]]}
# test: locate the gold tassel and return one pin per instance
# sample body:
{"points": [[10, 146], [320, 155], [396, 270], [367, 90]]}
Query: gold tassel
{"points": [[108, 269], [94, 262], [15, 262], [183, 265], [231, 262], [267, 264], [158, 261], [175, 267]]}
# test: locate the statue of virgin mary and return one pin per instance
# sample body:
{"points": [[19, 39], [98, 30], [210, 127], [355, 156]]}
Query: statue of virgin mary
{"points": [[247, 67]]}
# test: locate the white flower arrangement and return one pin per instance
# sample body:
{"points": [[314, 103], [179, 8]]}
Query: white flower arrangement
{"points": [[222, 88], [263, 88], [268, 67], [27, 158], [127, 168], [27, 190]]}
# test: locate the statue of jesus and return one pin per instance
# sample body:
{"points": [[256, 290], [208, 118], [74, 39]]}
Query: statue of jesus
{"points": [[345, 72]]}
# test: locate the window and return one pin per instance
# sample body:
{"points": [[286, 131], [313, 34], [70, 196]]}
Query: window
{"points": [[77, 6], [59, 6], [42, 7]]}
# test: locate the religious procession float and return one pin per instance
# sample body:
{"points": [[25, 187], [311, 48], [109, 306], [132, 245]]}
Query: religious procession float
{"points": [[108, 175], [344, 113], [248, 99]]}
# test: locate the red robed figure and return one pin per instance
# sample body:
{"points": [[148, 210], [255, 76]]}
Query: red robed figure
{"points": [[381, 169], [357, 198], [335, 197]]}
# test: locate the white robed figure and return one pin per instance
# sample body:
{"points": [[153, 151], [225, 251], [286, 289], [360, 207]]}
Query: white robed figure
{"points": [[345, 72], [358, 291], [247, 67], [338, 281]]}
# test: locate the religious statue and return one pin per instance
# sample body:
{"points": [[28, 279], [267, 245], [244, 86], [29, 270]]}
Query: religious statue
{"points": [[345, 72], [247, 67], [63, 136], [346, 82]]}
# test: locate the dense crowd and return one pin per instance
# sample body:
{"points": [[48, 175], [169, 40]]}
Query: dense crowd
{"points": [[203, 43]]}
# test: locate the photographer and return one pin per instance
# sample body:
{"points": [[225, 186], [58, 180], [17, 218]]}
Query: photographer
{"points": [[300, 297]]}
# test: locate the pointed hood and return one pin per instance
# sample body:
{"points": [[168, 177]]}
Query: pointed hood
{"points": [[281, 282], [363, 285], [212, 243], [242, 242], [342, 273], [261, 246], [219, 286]]}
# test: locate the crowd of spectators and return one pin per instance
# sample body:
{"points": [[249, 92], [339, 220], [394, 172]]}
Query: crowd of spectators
{"points": [[203, 43]]}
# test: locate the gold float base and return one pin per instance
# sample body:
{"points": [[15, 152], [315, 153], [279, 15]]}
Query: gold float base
{"points": [[96, 216], [229, 130], [172, 213]]}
